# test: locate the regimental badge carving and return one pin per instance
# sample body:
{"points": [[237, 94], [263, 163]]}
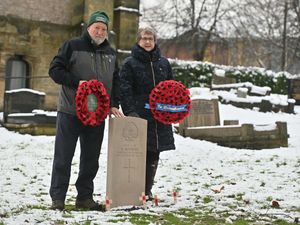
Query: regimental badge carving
{"points": [[130, 131]]}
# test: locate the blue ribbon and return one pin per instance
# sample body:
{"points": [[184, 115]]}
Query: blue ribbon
{"points": [[169, 108]]}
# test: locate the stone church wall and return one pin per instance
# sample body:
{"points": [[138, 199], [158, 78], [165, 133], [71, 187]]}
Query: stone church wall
{"points": [[54, 11], [35, 29]]}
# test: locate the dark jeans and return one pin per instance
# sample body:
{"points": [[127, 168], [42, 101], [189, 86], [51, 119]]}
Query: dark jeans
{"points": [[68, 129]]}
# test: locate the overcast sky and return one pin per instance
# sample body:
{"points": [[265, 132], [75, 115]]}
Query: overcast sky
{"points": [[148, 3]]}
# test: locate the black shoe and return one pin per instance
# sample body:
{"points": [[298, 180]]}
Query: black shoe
{"points": [[150, 196], [58, 204], [89, 204]]}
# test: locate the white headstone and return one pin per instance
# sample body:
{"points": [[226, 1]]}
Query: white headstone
{"points": [[126, 163]]}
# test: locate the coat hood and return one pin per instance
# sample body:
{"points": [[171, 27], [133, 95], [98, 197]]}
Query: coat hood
{"points": [[142, 55]]}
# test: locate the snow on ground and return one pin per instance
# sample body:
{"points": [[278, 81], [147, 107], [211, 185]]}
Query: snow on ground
{"points": [[251, 178]]}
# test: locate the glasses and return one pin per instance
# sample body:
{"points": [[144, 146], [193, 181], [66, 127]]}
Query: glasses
{"points": [[150, 39]]}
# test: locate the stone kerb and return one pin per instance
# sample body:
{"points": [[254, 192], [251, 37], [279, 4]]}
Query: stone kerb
{"points": [[244, 136]]}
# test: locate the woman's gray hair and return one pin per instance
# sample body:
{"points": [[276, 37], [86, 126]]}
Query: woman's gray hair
{"points": [[145, 30]]}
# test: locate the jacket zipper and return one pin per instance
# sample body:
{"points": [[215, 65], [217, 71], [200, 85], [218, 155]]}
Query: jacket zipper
{"points": [[153, 78], [93, 61]]}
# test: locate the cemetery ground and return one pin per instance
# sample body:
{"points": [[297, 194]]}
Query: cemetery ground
{"points": [[214, 184]]}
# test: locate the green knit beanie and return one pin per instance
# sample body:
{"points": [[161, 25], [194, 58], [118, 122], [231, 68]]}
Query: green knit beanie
{"points": [[98, 16]]}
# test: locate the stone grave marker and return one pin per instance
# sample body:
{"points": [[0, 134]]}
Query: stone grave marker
{"points": [[222, 79], [22, 101], [126, 161], [294, 90], [204, 113]]}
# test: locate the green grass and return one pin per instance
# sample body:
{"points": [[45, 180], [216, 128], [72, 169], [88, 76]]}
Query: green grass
{"points": [[207, 199], [282, 222], [188, 217], [180, 217], [185, 216]]}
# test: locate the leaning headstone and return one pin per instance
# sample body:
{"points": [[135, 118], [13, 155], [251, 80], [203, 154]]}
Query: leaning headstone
{"points": [[22, 101], [126, 162]]}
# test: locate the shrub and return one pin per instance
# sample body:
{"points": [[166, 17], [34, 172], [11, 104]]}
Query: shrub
{"points": [[196, 74]]}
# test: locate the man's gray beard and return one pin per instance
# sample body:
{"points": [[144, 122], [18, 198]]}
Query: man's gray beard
{"points": [[98, 41]]}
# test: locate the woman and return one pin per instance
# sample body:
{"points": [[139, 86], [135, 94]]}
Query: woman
{"points": [[141, 72]]}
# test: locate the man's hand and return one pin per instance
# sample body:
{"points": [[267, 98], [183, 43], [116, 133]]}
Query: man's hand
{"points": [[81, 81], [116, 112]]}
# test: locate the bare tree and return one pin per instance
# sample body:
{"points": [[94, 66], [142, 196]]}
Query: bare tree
{"points": [[269, 30], [174, 17], [272, 23]]}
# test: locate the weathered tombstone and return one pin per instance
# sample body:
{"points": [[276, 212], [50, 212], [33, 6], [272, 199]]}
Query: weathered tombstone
{"points": [[22, 101], [126, 161], [222, 80], [205, 112], [294, 90]]}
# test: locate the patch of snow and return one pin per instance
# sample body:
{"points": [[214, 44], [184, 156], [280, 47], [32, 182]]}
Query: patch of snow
{"points": [[193, 169], [26, 90]]}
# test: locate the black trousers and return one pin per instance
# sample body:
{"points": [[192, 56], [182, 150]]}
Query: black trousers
{"points": [[68, 129]]}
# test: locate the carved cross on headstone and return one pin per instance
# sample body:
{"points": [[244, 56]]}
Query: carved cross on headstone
{"points": [[129, 168]]}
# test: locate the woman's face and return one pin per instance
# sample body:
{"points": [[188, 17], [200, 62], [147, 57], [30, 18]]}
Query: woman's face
{"points": [[147, 41]]}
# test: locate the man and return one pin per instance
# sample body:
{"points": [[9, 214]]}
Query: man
{"points": [[78, 60], [141, 72]]}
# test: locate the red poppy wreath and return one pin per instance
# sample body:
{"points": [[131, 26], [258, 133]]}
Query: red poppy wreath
{"points": [[170, 102], [92, 102]]}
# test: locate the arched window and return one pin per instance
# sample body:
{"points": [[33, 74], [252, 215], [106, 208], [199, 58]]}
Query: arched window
{"points": [[16, 73]]}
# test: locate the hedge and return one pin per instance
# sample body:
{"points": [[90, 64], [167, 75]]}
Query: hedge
{"points": [[198, 74]]}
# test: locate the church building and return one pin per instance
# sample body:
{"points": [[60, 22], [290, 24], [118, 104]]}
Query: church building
{"points": [[31, 32]]}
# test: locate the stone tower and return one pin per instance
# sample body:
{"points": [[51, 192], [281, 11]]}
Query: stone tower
{"points": [[31, 32]]}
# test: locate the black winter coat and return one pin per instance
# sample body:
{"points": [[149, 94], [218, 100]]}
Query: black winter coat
{"points": [[139, 74], [80, 59]]}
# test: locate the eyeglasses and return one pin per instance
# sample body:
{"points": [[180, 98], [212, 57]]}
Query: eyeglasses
{"points": [[150, 39]]}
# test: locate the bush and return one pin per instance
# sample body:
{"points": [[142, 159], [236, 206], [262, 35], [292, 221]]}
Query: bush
{"points": [[196, 74]]}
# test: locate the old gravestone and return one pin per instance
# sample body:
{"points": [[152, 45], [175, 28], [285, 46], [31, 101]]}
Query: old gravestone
{"points": [[205, 112], [22, 101], [294, 90], [126, 163], [222, 79]]}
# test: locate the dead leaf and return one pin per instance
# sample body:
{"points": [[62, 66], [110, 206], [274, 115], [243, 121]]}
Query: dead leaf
{"points": [[275, 204], [218, 189]]}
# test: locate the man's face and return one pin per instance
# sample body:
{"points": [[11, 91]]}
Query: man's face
{"points": [[147, 41], [98, 32]]}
